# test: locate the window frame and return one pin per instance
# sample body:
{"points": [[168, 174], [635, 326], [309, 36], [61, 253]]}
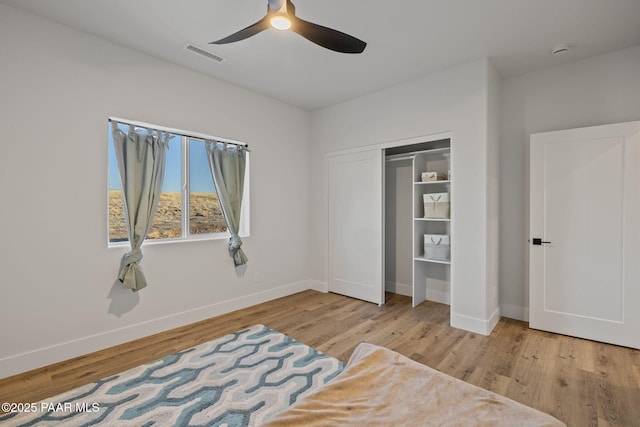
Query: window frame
{"points": [[187, 236]]}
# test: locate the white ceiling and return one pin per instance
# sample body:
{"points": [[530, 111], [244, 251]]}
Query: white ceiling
{"points": [[406, 39]]}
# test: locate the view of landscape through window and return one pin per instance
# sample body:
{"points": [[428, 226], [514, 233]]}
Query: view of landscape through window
{"points": [[205, 215]]}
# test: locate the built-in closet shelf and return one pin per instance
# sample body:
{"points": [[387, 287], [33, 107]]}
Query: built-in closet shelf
{"points": [[432, 182], [431, 275], [436, 261]]}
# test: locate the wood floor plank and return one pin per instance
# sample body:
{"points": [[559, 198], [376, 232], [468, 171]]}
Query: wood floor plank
{"points": [[489, 380], [507, 343], [581, 382], [616, 381]]}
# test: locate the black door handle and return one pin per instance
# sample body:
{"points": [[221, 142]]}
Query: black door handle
{"points": [[538, 241]]}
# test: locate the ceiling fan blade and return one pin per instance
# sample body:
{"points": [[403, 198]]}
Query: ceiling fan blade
{"points": [[327, 37], [251, 30]]}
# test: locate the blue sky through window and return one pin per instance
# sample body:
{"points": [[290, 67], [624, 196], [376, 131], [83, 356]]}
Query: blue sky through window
{"points": [[200, 176]]}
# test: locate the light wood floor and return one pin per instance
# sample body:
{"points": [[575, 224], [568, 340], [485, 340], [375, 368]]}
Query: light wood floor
{"points": [[583, 383]]}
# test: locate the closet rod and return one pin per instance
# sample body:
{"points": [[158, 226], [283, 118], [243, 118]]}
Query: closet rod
{"points": [[398, 157]]}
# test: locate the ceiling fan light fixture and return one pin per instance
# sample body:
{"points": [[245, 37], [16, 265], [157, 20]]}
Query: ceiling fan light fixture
{"points": [[281, 14], [280, 22]]}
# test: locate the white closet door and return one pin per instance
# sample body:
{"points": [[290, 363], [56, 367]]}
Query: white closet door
{"points": [[356, 237], [585, 211]]}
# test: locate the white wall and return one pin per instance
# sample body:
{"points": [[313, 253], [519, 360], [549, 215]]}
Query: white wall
{"points": [[453, 100], [595, 91], [57, 88]]}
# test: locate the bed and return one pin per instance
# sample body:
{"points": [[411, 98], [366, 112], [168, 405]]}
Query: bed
{"points": [[380, 387]]}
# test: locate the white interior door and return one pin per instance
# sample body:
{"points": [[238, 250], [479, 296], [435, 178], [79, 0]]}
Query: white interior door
{"points": [[585, 233], [356, 237]]}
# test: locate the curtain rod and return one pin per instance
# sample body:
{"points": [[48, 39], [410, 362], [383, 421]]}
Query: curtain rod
{"points": [[177, 131]]}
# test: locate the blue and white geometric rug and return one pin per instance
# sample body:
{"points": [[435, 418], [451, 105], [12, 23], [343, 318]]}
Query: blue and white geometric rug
{"points": [[242, 379]]}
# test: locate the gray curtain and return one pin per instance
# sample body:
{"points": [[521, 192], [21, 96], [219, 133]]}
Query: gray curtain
{"points": [[227, 163], [141, 155]]}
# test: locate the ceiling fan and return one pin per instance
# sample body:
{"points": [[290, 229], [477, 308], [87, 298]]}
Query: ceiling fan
{"points": [[281, 14]]}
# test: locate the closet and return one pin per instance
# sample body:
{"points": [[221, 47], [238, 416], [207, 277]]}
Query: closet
{"points": [[418, 225], [378, 221]]}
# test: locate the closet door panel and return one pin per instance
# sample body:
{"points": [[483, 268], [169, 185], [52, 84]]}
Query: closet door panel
{"points": [[355, 202]]}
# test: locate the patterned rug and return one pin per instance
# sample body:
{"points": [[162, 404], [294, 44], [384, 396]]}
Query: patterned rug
{"points": [[242, 379]]}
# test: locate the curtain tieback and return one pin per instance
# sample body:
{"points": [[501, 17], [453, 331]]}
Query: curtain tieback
{"points": [[234, 243], [127, 259], [132, 257]]}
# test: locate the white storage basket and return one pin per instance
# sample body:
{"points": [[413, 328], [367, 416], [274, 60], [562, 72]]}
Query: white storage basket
{"points": [[433, 176], [437, 247], [436, 205]]}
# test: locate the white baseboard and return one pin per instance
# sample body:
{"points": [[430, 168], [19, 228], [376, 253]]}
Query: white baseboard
{"points": [[515, 312], [473, 324], [319, 286], [398, 288], [494, 319], [38, 358], [438, 296], [432, 295]]}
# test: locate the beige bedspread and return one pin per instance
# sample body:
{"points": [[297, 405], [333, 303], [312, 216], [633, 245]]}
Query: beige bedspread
{"points": [[380, 387]]}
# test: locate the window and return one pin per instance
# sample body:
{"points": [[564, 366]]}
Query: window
{"points": [[188, 208], [205, 215]]}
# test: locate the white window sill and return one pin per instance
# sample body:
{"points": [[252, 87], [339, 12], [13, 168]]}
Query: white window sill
{"points": [[153, 242]]}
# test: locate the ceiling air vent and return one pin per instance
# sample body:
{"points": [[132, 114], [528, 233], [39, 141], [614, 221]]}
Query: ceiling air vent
{"points": [[200, 51]]}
